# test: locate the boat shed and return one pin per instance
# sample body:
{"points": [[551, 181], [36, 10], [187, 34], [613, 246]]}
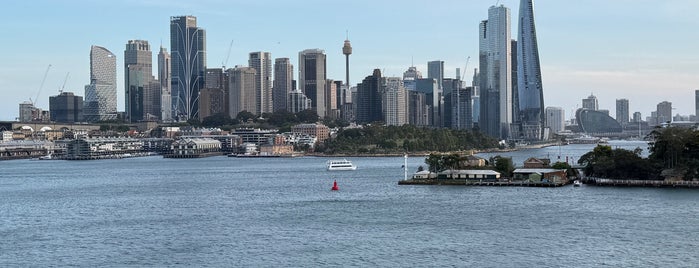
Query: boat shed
{"points": [[540, 174], [475, 174]]}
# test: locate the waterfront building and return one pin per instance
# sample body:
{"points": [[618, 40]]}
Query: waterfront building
{"points": [[312, 78], [320, 131], [394, 101], [194, 147], [530, 92], [590, 103], [283, 79], [66, 108], [188, 45], [143, 96], [100, 148], [243, 93], [495, 60], [262, 63], [101, 95], [555, 119], [622, 111], [664, 112], [164, 73], [369, 107]]}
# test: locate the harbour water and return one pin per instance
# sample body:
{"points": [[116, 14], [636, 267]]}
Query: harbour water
{"points": [[270, 212]]}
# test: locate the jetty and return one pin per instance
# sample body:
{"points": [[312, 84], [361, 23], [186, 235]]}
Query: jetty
{"points": [[558, 183], [641, 183]]}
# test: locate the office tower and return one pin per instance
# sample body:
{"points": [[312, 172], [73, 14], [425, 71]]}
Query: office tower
{"points": [[164, 73], [298, 101], [331, 106], [435, 70], [495, 60], [529, 84], [664, 112], [188, 45], [475, 98], [312, 78], [368, 107], [433, 95], [283, 81], [394, 101], [262, 63], [347, 51], [555, 119], [590, 103], [213, 98], [66, 108], [418, 108], [243, 92], [26, 112], [622, 111], [100, 95], [696, 104], [461, 107], [410, 78], [637, 117], [143, 96]]}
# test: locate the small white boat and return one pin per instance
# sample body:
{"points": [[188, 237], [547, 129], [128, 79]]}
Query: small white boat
{"points": [[46, 157], [577, 183], [340, 164]]}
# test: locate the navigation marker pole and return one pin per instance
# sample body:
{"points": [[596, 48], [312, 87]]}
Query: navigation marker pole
{"points": [[405, 167]]}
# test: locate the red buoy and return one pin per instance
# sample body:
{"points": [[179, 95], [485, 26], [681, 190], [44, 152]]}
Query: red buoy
{"points": [[335, 188]]}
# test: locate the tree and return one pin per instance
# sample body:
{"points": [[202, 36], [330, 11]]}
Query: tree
{"points": [[244, 116], [307, 116], [217, 120], [504, 165]]}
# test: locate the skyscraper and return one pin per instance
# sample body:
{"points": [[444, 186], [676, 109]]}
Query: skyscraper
{"points": [[555, 119], [143, 97], [622, 111], [664, 112], [262, 63], [495, 59], [435, 70], [243, 93], [213, 98], [66, 108], [590, 103], [394, 101], [369, 107], [188, 45], [164, 74], [529, 85], [312, 78], [100, 95], [283, 78]]}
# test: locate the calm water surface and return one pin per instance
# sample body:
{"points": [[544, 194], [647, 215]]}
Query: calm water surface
{"points": [[280, 212]]}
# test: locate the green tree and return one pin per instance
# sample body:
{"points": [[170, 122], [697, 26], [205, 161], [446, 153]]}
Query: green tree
{"points": [[244, 116], [504, 165], [217, 120], [307, 116]]}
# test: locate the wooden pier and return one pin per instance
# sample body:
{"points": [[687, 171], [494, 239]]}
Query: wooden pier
{"points": [[483, 183], [641, 183]]}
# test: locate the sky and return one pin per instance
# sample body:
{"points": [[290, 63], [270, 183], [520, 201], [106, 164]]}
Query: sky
{"points": [[641, 50]]}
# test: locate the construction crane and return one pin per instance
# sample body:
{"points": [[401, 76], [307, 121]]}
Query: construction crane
{"points": [[60, 90], [228, 55], [40, 86]]}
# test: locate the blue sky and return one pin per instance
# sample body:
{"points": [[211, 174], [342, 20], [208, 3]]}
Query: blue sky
{"points": [[643, 50]]}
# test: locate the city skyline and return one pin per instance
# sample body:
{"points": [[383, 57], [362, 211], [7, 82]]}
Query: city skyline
{"points": [[620, 52]]}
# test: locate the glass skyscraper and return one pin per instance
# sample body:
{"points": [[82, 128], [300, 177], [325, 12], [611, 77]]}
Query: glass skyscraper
{"points": [[101, 94], [188, 52], [530, 88]]}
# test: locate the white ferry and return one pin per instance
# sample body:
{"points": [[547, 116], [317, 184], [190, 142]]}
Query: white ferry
{"points": [[340, 164]]}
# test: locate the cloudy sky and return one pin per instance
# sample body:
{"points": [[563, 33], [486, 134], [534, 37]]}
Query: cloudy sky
{"points": [[642, 50]]}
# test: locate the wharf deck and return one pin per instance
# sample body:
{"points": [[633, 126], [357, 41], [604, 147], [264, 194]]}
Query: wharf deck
{"points": [[482, 183]]}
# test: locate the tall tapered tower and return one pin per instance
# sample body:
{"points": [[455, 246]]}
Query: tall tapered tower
{"points": [[530, 88]]}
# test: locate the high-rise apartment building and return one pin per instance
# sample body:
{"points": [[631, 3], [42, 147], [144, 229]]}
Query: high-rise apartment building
{"points": [[101, 94], [164, 78], [262, 63], [530, 92], [590, 103], [555, 119], [394, 101], [622, 111], [298, 101], [243, 92], [143, 96], [312, 78], [188, 45], [495, 60], [283, 79], [369, 107], [664, 112]]}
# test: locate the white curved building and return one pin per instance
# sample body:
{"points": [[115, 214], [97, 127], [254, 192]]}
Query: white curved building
{"points": [[100, 94]]}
